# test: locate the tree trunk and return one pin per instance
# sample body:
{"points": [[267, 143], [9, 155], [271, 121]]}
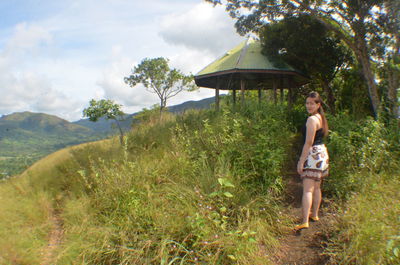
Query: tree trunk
{"points": [[330, 97], [359, 46], [364, 60], [290, 96], [121, 137], [163, 105], [393, 85]]}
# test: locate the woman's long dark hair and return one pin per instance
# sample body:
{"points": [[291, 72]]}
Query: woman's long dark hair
{"points": [[317, 99]]}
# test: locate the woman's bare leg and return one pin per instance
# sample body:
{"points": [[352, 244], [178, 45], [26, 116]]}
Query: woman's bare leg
{"points": [[308, 190], [316, 198]]}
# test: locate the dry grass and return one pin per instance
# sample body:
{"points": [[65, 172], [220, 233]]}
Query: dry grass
{"points": [[26, 204]]}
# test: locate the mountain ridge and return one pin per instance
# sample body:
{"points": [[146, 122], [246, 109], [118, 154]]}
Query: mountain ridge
{"points": [[105, 126], [27, 136]]}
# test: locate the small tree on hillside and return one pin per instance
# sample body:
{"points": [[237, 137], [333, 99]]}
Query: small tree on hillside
{"points": [[105, 108], [157, 77]]}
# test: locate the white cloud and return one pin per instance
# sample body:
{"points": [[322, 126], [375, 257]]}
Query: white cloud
{"points": [[204, 28], [79, 50], [136, 98], [26, 89], [113, 87], [27, 38]]}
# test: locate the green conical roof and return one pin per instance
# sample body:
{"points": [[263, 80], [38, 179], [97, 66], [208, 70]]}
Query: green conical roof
{"points": [[247, 55], [245, 61]]}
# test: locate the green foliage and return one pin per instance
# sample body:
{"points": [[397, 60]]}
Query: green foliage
{"points": [[203, 188], [250, 140], [14, 165], [359, 148], [103, 108], [367, 28], [317, 56], [157, 77], [352, 94]]}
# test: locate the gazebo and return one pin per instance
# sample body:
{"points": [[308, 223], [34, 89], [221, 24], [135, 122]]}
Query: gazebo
{"points": [[246, 68]]}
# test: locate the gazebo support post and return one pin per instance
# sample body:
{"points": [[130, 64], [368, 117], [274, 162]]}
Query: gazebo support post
{"points": [[274, 87], [291, 86], [242, 87], [234, 96], [259, 95], [217, 97]]}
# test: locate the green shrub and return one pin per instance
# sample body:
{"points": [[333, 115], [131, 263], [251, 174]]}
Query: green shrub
{"points": [[253, 140], [357, 149]]}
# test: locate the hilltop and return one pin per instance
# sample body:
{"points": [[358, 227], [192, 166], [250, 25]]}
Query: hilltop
{"points": [[36, 122], [206, 187], [22, 133], [105, 126], [26, 136]]}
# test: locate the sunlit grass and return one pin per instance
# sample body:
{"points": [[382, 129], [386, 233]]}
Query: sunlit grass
{"points": [[27, 202], [199, 188], [368, 231], [24, 222]]}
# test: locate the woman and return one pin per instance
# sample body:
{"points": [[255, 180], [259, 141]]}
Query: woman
{"points": [[314, 160]]}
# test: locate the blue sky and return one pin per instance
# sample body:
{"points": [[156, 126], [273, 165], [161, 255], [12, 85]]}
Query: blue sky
{"points": [[57, 55]]}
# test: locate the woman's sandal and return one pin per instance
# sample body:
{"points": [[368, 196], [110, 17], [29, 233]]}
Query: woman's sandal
{"points": [[314, 218], [301, 226]]}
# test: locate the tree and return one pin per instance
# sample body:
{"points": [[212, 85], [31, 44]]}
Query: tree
{"points": [[105, 108], [157, 77], [319, 56], [363, 25]]}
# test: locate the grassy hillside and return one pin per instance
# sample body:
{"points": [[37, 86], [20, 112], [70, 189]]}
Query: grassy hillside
{"points": [[25, 137], [201, 188]]}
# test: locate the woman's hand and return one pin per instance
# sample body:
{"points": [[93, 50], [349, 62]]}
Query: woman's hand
{"points": [[300, 167]]}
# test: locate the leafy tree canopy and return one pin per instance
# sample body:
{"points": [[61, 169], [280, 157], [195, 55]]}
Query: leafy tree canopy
{"points": [[370, 28], [320, 55], [157, 77], [104, 108]]}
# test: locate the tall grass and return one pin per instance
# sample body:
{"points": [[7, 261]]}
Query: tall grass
{"points": [[199, 188], [27, 202], [368, 230], [366, 181], [188, 189], [24, 223]]}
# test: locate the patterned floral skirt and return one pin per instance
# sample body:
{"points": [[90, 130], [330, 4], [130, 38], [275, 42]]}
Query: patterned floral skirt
{"points": [[316, 165]]}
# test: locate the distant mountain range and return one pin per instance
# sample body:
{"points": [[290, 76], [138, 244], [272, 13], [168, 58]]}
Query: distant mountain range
{"points": [[25, 133], [27, 136], [104, 126]]}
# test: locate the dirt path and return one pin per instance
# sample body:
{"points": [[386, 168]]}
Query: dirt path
{"points": [[305, 246], [55, 238]]}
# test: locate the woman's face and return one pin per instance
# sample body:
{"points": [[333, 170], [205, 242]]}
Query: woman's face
{"points": [[312, 106]]}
